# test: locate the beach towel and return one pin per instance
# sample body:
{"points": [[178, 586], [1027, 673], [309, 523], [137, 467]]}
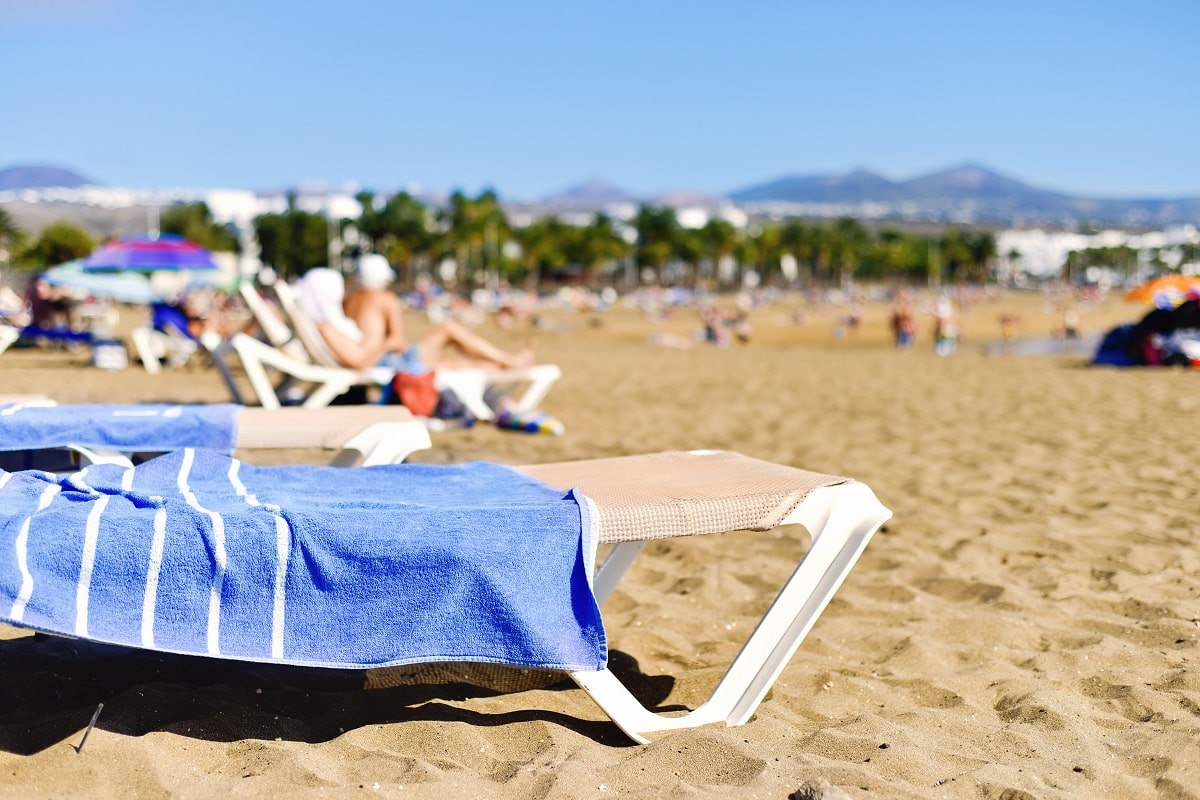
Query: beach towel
{"points": [[135, 428], [195, 552]]}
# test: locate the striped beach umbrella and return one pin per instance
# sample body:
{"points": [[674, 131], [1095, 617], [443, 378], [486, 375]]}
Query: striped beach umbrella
{"points": [[162, 253]]}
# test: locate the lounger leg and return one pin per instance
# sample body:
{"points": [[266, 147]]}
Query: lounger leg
{"points": [[615, 564], [248, 351], [96, 455], [384, 443], [142, 342], [541, 379], [841, 520], [218, 354]]}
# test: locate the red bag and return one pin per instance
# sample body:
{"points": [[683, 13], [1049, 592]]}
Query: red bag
{"points": [[416, 392]]}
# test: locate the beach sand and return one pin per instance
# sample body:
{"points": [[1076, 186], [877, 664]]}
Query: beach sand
{"points": [[1025, 626]]}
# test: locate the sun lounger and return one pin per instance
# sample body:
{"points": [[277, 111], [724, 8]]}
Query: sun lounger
{"points": [[38, 433], [320, 368], [620, 501], [667, 495], [8, 335], [155, 346]]}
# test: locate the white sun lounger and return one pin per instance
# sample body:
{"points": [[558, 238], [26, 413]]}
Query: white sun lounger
{"points": [[320, 368], [632, 500], [674, 494]]}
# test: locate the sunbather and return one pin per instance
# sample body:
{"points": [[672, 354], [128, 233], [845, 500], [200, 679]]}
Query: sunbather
{"points": [[368, 330]]}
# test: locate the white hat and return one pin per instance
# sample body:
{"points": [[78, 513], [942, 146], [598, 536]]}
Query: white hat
{"points": [[374, 272]]}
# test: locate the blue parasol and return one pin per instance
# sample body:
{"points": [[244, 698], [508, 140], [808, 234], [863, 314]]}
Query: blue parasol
{"points": [[125, 287]]}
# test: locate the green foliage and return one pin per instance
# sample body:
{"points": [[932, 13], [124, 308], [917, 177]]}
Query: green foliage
{"points": [[475, 230], [401, 230], [60, 242], [195, 221], [13, 240], [657, 232], [294, 241]]}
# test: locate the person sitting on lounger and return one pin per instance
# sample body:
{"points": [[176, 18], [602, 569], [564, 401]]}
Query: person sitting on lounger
{"points": [[50, 307], [367, 330]]}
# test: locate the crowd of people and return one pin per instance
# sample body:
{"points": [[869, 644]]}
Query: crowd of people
{"points": [[362, 317]]}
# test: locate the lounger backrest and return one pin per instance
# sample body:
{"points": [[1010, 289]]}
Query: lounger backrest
{"points": [[277, 332], [305, 329]]}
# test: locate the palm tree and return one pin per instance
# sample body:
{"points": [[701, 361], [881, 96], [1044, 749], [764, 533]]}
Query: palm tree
{"points": [[400, 230], [544, 245], [12, 238], [598, 245], [719, 237], [476, 230], [656, 230]]}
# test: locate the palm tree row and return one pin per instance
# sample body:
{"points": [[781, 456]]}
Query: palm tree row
{"points": [[471, 240]]}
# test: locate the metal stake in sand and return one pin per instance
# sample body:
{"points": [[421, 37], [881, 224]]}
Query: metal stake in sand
{"points": [[92, 724]]}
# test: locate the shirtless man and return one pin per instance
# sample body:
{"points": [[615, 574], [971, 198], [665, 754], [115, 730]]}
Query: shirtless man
{"points": [[368, 329]]}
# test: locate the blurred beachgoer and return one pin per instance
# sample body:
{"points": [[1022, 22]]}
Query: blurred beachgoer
{"points": [[1009, 324], [49, 307], [369, 329], [1070, 324], [713, 329], [946, 330], [904, 325], [742, 328]]}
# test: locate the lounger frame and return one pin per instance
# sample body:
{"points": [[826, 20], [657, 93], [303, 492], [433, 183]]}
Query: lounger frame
{"points": [[840, 517]]}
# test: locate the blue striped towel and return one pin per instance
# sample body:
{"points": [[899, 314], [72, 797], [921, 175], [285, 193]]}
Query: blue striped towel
{"points": [[131, 428], [194, 552]]}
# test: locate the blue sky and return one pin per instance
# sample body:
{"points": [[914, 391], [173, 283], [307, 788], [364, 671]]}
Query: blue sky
{"points": [[1099, 98]]}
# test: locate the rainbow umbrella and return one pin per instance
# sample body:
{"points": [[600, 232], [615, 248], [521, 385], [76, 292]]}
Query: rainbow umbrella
{"points": [[165, 252]]}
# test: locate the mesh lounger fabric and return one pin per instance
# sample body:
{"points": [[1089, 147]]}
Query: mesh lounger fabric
{"points": [[663, 495]]}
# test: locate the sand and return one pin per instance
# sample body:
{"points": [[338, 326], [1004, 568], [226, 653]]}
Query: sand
{"points": [[1025, 626]]}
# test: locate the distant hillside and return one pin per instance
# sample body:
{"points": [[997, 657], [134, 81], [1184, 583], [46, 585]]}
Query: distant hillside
{"points": [[40, 177], [590, 193], [968, 192]]}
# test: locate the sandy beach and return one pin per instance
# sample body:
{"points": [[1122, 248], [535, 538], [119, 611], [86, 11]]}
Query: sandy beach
{"points": [[1025, 626]]}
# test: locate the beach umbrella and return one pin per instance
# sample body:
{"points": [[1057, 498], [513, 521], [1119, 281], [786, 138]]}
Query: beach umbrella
{"points": [[125, 287], [1169, 289], [162, 253]]}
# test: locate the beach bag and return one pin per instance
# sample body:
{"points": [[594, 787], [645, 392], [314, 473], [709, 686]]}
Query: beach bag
{"points": [[416, 392]]}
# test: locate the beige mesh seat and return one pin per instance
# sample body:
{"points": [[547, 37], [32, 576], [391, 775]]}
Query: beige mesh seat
{"points": [[665, 495]]}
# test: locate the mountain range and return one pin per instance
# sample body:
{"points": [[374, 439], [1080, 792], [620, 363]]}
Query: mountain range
{"points": [[966, 193]]}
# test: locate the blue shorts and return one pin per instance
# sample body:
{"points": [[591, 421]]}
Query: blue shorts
{"points": [[409, 362]]}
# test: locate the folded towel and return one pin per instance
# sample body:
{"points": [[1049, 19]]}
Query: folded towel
{"points": [[148, 428], [195, 552]]}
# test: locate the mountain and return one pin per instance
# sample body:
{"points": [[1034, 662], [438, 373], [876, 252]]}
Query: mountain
{"points": [[968, 193], [40, 177], [850, 188], [593, 192]]}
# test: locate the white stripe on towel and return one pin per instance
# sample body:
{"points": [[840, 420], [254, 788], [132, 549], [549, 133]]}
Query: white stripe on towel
{"points": [[127, 479], [282, 550], [153, 567], [22, 544], [87, 563], [283, 538], [219, 555]]}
